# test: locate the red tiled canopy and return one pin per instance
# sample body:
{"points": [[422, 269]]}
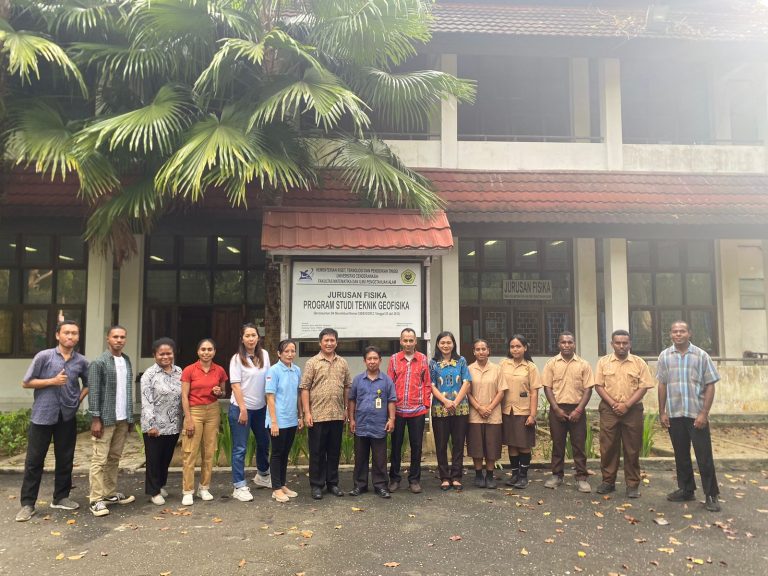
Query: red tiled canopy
{"points": [[328, 231]]}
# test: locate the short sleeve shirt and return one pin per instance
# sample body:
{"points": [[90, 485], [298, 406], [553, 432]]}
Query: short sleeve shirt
{"points": [[622, 378], [251, 379], [201, 383], [283, 382], [486, 383], [567, 378], [449, 377], [370, 420], [686, 376], [326, 380], [54, 400], [521, 379]]}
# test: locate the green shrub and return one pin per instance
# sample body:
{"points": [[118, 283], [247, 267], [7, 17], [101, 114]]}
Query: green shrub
{"points": [[649, 430], [300, 447], [347, 446], [83, 421], [13, 431], [224, 444]]}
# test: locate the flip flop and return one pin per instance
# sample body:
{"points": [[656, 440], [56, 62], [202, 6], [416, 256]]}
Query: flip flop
{"points": [[445, 486]]}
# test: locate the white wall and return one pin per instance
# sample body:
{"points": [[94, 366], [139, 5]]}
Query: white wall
{"points": [[683, 158]]}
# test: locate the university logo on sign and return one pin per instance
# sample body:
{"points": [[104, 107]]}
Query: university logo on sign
{"points": [[408, 276], [527, 290]]}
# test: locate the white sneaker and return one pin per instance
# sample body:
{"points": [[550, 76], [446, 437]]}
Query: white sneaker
{"points": [[187, 500], [243, 494], [553, 481], [203, 494], [583, 486], [163, 492], [263, 481], [288, 492], [157, 499]]}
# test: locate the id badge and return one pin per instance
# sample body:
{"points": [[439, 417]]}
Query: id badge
{"points": [[378, 403]]}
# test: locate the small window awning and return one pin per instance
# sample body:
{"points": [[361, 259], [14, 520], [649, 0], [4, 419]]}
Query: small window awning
{"points": [[353, 232]]}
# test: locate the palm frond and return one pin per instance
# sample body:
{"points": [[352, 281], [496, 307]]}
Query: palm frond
{"points": [[155, 21], [375, 173], [84, 16], [133, 63]]}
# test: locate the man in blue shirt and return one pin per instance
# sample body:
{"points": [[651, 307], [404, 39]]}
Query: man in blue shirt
{"points": [[687, 380], [371, 404], [55, 376]]}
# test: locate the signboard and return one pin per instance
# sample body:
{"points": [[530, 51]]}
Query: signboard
{"points": [[359, 300], [527, 290]]}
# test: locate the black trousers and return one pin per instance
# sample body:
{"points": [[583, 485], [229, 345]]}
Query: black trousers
{"points": [[455, 428], [324, 453], [683, 434], [415, 427], [158, 451], [376, 449], [281, 451], [39, 436]]}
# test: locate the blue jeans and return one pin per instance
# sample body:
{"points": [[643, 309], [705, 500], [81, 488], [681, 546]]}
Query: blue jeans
{"points": [[240, 434]]}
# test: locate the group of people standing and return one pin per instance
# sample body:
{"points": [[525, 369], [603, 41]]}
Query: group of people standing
{"points": [[482, 406]]}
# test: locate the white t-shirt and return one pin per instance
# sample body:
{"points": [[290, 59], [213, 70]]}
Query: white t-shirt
{"points": [[251, 379], [121, 394]]}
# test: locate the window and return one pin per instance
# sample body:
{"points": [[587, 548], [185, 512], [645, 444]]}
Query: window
{"points": [[515, 286], [42, 280], [745, 91]]}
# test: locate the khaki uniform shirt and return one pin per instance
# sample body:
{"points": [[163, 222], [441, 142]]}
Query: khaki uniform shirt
{"points": [[520, 380], [326, 381], [486, 383], [622, 378], [567, 378]]}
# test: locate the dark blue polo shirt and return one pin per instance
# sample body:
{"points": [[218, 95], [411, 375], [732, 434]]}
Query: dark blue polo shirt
{"points": [[54, 400], [369, 420]]}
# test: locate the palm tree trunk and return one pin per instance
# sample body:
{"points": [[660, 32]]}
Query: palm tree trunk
{"points": [[272, 307]]}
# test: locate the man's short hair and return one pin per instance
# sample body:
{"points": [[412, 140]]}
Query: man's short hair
{"points": [[116, 327], [66, 323], [565, 333], [328, 332], [620, 332], [409, 330]]}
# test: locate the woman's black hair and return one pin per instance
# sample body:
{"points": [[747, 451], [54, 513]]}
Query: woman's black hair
{"points": [[284, 344], [483, 340], [164, 341], [258, 356], [524, 341], [439, 355], [211, 340], [369, 349]]}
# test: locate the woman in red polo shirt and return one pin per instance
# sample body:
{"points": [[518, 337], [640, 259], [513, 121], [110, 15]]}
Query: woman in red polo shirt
{"points": [[202, 384]]}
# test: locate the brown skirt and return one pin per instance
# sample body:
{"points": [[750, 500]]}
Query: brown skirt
{"points": [[516, 433], [484, 441]]}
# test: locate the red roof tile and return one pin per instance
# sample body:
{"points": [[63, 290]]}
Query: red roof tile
{"points": [[733, 21], [323, 230]]}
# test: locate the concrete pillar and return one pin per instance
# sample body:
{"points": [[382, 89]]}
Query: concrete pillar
{"points": [[729, 298], [99, 298], [581, 127], [449, 119], [586, 299], [130, 306], [610, 113], [449, 280], [616, 288]]}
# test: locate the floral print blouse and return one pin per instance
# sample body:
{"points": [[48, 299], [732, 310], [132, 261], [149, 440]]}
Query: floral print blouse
{"points": [[448, 377]]}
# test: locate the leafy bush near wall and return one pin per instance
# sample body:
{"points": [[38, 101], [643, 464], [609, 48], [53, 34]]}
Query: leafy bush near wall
{"points": [[13, 431]]}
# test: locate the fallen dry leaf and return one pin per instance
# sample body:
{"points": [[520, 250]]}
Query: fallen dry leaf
{"points": [[306, 533], [599, 514], [355, 509], [641, 540], [549, 541], [217, 520], [584, 544], [667, 550], [577, 569], [242, 563], [523, 552], [455, 538], [547, 513], [411, 515], [654, 562], [661, 521], [570, 517], [60, 556], [71, 521], [337, 527], [103, 553], [581, 554], [687, 516], [55, 533], [75, 557], [165, 573], [391, 564]]}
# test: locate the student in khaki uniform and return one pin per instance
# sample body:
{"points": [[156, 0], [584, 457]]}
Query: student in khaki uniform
{"points": [[484, 432], [568, 382], [621, 380], [519, 408]]}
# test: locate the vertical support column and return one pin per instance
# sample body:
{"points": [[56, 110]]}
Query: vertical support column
{"points": [[729, 298], [610, 112], [449, 279], [130, 306], [99, 298], [581, 127], [449, 119], [616, 288], [586, 299]]}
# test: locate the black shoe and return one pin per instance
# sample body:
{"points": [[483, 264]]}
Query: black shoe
{"points": [[512, 480], [633, 492], [606, 488], [522, 482], [394, 485], [480, 482], [317, 493], [335, 490], [680, 495], [356, 491], [383, 493], [712, 504], [490, 483]]}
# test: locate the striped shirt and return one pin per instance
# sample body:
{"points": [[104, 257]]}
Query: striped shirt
{"points": [[686, 376], [54, 400]]}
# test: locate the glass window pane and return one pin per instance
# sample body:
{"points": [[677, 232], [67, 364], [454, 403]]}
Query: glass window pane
{"points": [[669, 289], [34, 331], [700, 254], [38, 287], [6, 331], [8, 249], [554, 324], [228, 287], [557, 254], [194, 251], [256, 291], [256, 256], [561, 287], [256, 316], [527, 323], [641, 329], [158, 323], [698, 288], [9, 286], [70, 286], [638, 254], [526, 254], [492, 288], [467, 254], [495, 330], [668, 255], [160, 251], [495, 253], [468, 286], [37, 250], [703, 329], [194, 287], [640, 289], [752, 293], [161, 286], [229, 250], [71, 250], [666, 318]]}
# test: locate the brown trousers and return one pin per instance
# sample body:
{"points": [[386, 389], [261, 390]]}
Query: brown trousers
{"points": [[559, 431], [207, 419], [617, 433]]}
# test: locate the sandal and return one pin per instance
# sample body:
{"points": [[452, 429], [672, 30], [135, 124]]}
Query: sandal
{"points": [[456, 485], [445, 485]]}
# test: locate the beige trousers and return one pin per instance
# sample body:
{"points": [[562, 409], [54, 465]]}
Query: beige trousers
{"points": [[105, 460], [206, 419]]}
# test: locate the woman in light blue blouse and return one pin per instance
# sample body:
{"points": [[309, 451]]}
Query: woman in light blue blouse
{"points": [[450, 412], [283, 416], [161, 417]]}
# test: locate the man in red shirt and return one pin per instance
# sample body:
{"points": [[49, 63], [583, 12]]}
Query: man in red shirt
{"points": [[409, 370]]}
